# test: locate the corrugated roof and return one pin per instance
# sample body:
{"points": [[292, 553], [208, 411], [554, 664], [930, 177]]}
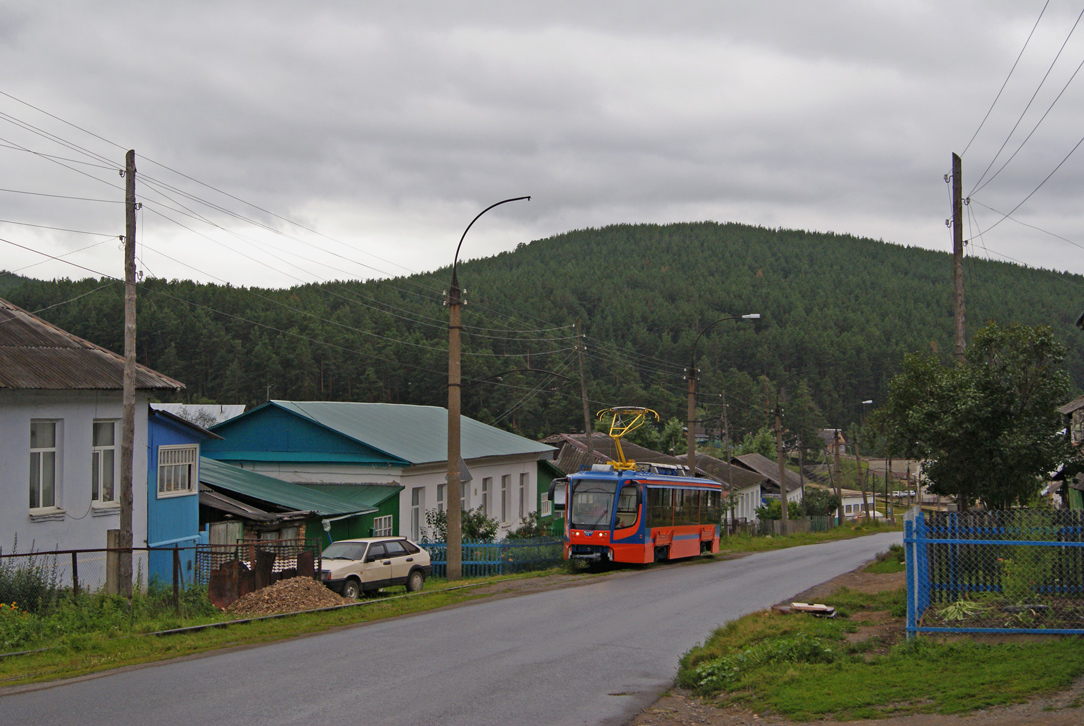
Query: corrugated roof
{"points": [[362, 495], [572, 454], [733, 476], [418, 434], [37, 355], [769, 469], [268, 489]]}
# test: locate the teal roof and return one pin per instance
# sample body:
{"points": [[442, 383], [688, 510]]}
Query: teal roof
{"points": [[282, 493], [362, 495], [415, 434]]}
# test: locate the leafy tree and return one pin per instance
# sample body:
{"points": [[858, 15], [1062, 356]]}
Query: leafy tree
{"points": [[820, 502], [988, 428], [475, 525], [531, 527], [774, 510], [762, 442]]}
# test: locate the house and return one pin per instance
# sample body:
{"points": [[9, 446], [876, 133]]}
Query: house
{"points": [[744, 488], [830, 437], [355, 444], [173, 446], [204, 414], [60, 438], [572, 453], [770, 489], [237, 504], [1072, 491]]}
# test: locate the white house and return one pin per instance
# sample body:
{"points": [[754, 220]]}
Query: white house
{"points": [[345, 443], [60, 438]]}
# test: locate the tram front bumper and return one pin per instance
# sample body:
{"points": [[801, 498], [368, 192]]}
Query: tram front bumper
{"points": [[591, 553]]}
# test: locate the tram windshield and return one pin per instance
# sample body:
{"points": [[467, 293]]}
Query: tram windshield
{"points": [[592, 504]]}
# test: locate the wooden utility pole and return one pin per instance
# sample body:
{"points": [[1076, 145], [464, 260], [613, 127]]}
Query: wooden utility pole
{"points": [[588, 429], [958, 255], [861, 480], [782, 468], [690, 432], [127, 428], [841, 513]]}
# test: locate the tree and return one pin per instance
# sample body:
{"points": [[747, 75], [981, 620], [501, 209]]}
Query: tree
{"points": [[988, 428], [476, 525]]}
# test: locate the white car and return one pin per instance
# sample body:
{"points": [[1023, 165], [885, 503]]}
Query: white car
{"points": [[354, 566]]}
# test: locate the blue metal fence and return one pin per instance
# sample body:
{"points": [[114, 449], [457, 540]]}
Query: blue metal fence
{"points": [[1016, 571], [482, 559]]}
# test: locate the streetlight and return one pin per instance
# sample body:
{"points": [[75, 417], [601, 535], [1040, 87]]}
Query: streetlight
{"points": [[455, 490], [690, 374]]}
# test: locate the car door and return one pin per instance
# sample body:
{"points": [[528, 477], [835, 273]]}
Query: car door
{"points": [[377, 572], [400, 562]]}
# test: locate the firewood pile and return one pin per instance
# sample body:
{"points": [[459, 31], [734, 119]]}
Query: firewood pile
{"points": [[286, 596]]}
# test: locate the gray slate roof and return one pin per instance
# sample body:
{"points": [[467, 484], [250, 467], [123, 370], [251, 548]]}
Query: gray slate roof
{"points": [[37, 355], [769, 469], [418, 434]]}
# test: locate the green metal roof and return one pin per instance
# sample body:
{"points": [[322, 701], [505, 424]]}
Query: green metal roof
{"points": [[268, 489], [362, 495], [417, 434]]}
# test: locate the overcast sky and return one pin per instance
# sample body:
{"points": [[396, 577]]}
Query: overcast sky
{"points": [[382, 129]]}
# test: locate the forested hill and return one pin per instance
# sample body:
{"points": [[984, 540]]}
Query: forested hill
{"points": [[838, 314]]}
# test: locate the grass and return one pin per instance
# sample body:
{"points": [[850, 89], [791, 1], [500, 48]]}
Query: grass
{"points": [[804, 668], [748, 543], [103, 633]]}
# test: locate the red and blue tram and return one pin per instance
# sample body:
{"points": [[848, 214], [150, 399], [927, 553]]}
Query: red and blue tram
{"points": [[617, 514]]}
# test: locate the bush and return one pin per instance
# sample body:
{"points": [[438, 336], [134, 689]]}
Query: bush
{"points": [[774, 510], [820, 502], [31, 582], [475, 525]]}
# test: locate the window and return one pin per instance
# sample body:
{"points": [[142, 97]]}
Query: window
{"points": [[660, 504], [485, 494], [628, 506], [177, 470], [440, 497], [506, 492], [382, 526], [103, 456], [417, 501], [547, 507], [395, 548], [43, 449], [524, 483]]}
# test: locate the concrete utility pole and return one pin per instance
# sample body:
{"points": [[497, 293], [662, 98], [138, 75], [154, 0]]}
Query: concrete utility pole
{"points": [[958, 255], [588, 429], [455, 484], [127, 428]]}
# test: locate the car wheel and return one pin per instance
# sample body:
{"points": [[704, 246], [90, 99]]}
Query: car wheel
{"points": [[415, 581], [351, 589]]}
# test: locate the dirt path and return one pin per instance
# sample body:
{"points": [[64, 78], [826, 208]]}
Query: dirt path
{"points": [[678, 708]]}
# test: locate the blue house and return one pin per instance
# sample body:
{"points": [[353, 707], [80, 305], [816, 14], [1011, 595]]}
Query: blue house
{"points": [[350, 447], [173, 451]]}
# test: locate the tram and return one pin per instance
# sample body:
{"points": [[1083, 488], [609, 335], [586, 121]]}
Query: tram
{"points": [[638, 513]]}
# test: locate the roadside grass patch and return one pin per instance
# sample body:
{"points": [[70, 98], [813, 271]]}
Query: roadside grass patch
{"points": [[803, 667], [750, 543], [101, 632]]}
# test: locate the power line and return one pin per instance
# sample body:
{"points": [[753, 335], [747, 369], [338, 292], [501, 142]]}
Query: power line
{"points": [[1002, 89]]}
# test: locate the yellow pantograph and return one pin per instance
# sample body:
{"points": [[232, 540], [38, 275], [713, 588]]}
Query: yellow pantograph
{"points": [[625, 419]]}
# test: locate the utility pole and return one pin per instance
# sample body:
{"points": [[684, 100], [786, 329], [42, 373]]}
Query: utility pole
{"points": [[127, 428], [454, 528], [782, 468], [861, 480], [587, 428], [690, 432], [839, 478], [454, 522], [729, 468], [958, 255]]}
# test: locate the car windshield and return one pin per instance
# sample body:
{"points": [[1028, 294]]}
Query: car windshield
{"points": [[592, 504], [345, 551]]}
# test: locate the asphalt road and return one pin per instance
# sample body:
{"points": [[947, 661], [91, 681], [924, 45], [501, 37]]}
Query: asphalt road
{"points": [[592, 654]]}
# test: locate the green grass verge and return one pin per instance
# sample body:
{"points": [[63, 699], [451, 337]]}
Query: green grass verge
{"points": [[747, 543], [803, 668]]}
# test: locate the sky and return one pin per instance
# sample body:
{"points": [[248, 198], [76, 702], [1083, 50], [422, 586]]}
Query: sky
{"points": [[280, 143]]}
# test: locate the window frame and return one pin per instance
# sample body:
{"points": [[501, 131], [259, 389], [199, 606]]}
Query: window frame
{"points": [[384, 526], [40, 452], [486, 481], [193, 474], [524, 491], [506, 492], [97, 467]]}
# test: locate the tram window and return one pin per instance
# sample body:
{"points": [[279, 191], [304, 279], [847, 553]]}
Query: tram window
{"points": [[660, 502], [628, 506]]}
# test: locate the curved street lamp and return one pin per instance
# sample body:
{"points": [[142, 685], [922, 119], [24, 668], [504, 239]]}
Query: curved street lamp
{"points": [[455, 489], [691, 375]]}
